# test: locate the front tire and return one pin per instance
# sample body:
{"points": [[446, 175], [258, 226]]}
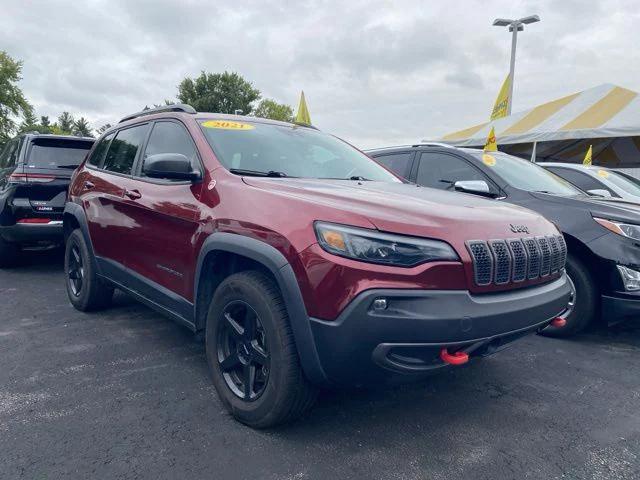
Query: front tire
{"points": [[85, 289], [9, 253], [583, 307], [252, 353]]}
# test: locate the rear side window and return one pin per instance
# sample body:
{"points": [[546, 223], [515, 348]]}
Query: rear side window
{"points": [[56, 153], [398, 163], [581, 180], [9, 155], [124, 149], [169, 137], [99, 152]]}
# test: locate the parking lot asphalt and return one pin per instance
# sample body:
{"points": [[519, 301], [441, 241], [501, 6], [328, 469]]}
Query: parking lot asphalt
{"points": [[125, 393]]}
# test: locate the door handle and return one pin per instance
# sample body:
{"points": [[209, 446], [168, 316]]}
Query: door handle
{"points": [[133, 194], [88, 185]]}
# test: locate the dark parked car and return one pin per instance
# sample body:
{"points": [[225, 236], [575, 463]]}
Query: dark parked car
{"points": [[302, 261], [602, 235], [35, 171]]}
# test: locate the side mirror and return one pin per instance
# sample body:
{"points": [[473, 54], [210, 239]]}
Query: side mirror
{"points": [[173, 166], [599, 192], [477, 187]]}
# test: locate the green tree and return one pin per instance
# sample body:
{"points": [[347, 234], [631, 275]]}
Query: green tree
{"points": [[65, 123], [103, 128], [218, 92], [268, 108], [29, 123], [12, 101], [81, 128], [44, 121]]}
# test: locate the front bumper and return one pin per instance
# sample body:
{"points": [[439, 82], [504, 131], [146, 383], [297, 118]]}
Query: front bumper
{"points": [[619, 306], [367, 346], [29, 233]]}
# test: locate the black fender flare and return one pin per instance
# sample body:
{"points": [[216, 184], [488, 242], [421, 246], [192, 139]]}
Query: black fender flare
{"points": [[281, 270], [77, 212]]}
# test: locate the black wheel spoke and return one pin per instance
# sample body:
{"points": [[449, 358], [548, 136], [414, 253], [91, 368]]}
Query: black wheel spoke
{"points": [[76, 255], [236, 330], [250, 325], [248, 379], [258, 355], [230, 362]]}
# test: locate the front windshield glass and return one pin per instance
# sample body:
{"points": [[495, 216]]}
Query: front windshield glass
{"points": [[525, 175], [246, 147], [629, 185]]}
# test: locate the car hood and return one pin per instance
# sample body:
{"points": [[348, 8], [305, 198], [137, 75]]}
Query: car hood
{"points": [[610, 208], [409, 209]]}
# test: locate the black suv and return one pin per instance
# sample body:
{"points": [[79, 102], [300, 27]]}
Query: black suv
{"points": [[35, 171], [602, 235]]}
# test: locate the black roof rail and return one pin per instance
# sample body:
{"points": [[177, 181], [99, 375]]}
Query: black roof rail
{"points": [[178, 107]]}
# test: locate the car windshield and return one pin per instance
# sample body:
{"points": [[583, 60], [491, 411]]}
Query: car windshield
{"points": [[525, 175], [255, 148], [57, 153], [627, 184]]}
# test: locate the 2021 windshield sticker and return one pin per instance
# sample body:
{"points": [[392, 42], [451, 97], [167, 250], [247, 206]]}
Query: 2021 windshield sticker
{"points": [[227, 125]]}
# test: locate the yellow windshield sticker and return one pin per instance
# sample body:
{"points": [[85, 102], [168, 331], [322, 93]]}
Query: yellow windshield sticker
{"points": [[489, 160], [603, 173], [227, 125]]}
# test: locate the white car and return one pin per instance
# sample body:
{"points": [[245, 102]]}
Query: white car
{"points": [[598, 180]]}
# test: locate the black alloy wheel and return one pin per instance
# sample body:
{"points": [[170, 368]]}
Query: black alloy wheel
{"points": [[242, 351]]}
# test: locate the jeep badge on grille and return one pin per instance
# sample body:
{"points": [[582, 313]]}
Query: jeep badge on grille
{"points": [[518, 228]]}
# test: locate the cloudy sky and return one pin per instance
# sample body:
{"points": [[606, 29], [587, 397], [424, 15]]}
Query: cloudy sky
{"points": [[374, 72]]}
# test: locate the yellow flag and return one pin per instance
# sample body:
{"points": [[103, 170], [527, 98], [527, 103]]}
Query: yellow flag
{"points": [[303, 116], [491, 145], [587, 157], [501, 107]]}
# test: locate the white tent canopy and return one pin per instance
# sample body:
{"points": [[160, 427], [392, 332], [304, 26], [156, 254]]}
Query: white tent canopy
{"points": [[606, 116]]}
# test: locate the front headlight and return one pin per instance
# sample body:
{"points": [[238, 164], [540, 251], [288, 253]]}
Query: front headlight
{"points": [[384, 248], [624, 229]]}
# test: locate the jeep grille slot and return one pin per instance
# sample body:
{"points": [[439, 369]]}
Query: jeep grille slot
{"points": [[482, 262], [501, 262]]}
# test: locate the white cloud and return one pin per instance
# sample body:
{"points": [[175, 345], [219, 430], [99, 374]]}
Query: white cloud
{"points": [[374, 72]]}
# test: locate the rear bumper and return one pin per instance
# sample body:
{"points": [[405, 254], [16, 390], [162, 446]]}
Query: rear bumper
{"points": [[33, 233], [402, 342]]}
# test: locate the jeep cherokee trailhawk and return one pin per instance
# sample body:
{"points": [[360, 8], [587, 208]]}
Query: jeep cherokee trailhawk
{"points": [[301, 261]]}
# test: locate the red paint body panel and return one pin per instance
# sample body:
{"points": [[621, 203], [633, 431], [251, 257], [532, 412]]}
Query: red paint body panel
{"points": [[159, 235]]}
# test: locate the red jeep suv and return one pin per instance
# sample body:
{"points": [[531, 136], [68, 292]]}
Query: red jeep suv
{"points": [[300, 260]]}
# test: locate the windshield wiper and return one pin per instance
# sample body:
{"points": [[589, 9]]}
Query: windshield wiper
{"points": [[258, 173], [70, 167]]}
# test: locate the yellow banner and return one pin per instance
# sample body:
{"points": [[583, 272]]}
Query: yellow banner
{"points": [[491, 145], [501, 107], [587, 157], [303, 116]]}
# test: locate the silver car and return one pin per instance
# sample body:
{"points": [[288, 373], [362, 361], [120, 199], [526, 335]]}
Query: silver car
{"points": [[599, 181]]}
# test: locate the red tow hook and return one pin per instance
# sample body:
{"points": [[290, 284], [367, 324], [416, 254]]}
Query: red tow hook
{"points": [[457, 358], [558, 322]]}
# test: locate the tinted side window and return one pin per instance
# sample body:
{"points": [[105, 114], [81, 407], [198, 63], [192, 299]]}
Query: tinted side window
{"points": [[169, 137], [99, 152], [398, 163], [9, 156], [579, 179], [441, 170], [124, 148]]}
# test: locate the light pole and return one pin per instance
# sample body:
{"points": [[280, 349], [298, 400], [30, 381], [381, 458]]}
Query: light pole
{"points": [[515, 26]]}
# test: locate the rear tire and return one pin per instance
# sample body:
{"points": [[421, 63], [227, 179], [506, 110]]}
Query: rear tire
{"points": [[85, 289], [585, 301], [9, 253], [248, 336]]}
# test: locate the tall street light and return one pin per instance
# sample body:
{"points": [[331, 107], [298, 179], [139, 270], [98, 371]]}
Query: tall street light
{"points": [[515, 26]]}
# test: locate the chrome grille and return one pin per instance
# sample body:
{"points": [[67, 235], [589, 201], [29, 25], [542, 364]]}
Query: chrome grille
{"points": [[501, 262]]}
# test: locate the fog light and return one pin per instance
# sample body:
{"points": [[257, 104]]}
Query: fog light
{"points": [[630, 278], [380, 304]]}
